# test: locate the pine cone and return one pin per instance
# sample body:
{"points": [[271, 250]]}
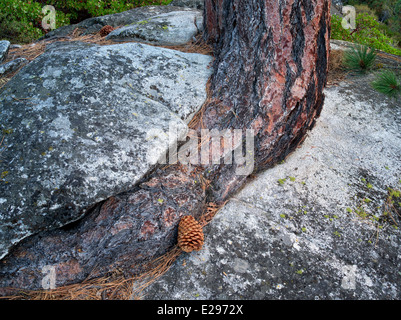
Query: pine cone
{"points": [[190, 234], [105, 30]]}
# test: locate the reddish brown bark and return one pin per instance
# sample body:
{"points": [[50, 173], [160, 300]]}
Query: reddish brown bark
{"points": [[269, 73], [270, 70]]}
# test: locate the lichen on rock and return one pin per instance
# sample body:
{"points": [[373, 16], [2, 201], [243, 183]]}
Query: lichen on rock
{"points": [[80, 115]]}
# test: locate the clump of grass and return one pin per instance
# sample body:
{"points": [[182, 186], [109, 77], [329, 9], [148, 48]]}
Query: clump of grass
{"points": [[387, 83], [360, 59]]}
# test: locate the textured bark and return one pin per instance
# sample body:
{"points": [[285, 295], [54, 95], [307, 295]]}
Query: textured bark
{"points": [[270, 70], [269, 73], [123, 233]]}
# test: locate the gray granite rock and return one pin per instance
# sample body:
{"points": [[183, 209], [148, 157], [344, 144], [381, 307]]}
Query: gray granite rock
{"points": [[338, 3], [195, 4], [314, 227], [93, 25], [12, 66], [77, 125], [173, 28], [15, 46], [4, 46]]}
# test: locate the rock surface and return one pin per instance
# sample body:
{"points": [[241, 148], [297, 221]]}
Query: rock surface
{"points": [[121, 19], [315, 226], [196, 4], [4, 46], [173, 28], [12, 66], [80, 122]]}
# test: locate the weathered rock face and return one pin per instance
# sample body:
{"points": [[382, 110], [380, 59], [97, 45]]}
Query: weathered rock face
{"points": [[125, 18], [196, 4], [12, 66], [289, 235], [338, 3], [173, 28], [77, 122], [4, 46]]}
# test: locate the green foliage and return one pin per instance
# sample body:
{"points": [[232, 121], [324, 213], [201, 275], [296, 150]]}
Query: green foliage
{"points": [[364, 8], [20, 20], [368, 32], [360, 59], [388, 10], [387, 83], [16, 19]]}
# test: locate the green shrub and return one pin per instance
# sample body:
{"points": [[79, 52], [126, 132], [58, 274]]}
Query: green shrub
{"points": [[360, 58], [387, 83], [20, 21], [368, 32], [363, 8]]}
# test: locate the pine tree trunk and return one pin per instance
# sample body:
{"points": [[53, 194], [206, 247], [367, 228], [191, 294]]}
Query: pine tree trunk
{"points": [[269, 74], [271, 59]]}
